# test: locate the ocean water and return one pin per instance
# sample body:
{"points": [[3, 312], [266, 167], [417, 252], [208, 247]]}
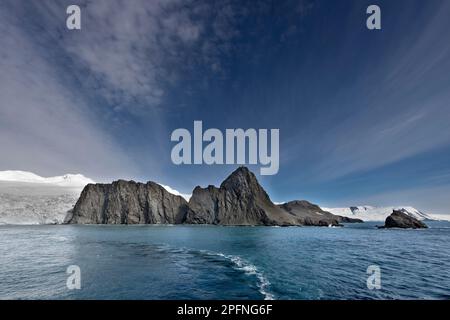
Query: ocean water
{"points": [[212, 262]]}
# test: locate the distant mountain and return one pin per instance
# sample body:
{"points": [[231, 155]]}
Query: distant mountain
{"points": [[67, 180], [370, 213], [26, 198], [312, 214]]}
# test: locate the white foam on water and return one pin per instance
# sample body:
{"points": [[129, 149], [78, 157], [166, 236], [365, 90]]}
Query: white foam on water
{"points": [[250, 270], [239, 263], [59, 238]]}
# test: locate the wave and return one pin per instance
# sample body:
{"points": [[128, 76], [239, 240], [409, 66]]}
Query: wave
{"points": [[238, 263], [59, 238], [249, 269]]}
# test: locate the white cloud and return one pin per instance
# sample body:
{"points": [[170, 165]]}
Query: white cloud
{"points": [[134, 49], [125, 56]]}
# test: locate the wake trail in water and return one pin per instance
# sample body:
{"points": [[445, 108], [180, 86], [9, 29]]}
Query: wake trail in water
{"points": [[238, 263], [249, 269]]}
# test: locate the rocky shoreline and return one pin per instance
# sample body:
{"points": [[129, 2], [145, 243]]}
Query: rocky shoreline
{"points": [[239, 201]]}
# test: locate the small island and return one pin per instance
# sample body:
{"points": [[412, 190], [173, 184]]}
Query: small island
{"points": [[399, 219], [239, 201]]}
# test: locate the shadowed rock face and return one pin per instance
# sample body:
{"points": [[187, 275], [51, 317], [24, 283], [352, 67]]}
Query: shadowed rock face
{"points": [[398, 219], [240, 200], [312, 215], [128, 202]]}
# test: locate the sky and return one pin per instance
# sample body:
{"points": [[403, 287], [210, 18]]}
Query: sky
{"points": [[364, 115]]}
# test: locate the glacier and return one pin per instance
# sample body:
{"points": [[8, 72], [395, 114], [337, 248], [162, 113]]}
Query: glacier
{"points": [[27, 199], [371, 213], [33, 203]]}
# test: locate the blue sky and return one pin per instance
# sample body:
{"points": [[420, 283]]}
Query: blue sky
{"points": [[363, 115]]}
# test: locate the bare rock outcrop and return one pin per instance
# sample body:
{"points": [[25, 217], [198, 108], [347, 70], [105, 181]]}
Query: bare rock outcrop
{"points": [[240, 200], [399, 219], [312, 215], [128, 202]]}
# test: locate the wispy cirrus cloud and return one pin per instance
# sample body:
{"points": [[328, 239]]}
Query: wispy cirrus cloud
{"points": [[44, 126], [65, 93], [397, 105], [135, 50], [52, 79]]}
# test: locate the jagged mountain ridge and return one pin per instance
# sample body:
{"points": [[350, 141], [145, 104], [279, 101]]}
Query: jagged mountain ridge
{"points": [[240, 200], [26, 199]]}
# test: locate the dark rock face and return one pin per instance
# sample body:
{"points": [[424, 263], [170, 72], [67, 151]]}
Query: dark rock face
{"points": [[240, 200], [312, 215], [398, 219], [128, 202]]}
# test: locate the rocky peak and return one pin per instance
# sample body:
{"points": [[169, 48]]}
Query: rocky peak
{"points": [[399, 219], [301, 204], [241, 177], [243, 182]]}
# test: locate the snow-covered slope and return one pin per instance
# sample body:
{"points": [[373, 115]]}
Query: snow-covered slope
{"points": [[369, 213], [67, 180], [440, 217], [26, 198], [176, 192]]}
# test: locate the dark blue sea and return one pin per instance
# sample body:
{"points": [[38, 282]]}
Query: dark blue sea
{"points": [[212, 262]]}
